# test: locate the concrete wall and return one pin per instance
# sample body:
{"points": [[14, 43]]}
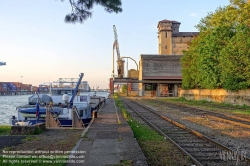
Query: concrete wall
{"points": [[168, 42], [165, 38], [180, 44], [218, 95], [133, 73], [160, 66]]}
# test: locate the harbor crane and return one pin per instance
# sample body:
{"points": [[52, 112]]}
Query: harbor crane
{"points": [[2, 63], [120, 62]]}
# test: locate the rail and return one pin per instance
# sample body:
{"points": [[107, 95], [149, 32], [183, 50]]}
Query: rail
{"points": [[213, 146]]}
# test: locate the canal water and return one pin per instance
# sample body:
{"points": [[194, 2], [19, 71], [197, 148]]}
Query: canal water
{"points": [[8, 104]]}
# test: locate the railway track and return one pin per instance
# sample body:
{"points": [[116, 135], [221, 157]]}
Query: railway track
{"points": [[228, 118], [201, 149]]}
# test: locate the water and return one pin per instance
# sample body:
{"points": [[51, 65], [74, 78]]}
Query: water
{"points": [[8, 104]]}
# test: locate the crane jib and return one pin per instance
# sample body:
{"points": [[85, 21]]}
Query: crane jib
{"points": [[76, 89]]}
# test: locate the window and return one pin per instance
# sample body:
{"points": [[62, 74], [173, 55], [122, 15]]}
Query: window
{"points": [[166, 34], [166, 47], [149, 87]]}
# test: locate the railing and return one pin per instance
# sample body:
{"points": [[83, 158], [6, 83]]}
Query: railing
{"points": [[169, 93]]}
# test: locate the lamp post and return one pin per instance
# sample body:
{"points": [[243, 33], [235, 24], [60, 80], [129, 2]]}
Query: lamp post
{"points": [[21, 85]]}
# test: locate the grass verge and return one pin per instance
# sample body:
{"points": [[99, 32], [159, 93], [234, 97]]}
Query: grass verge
{"points": [[5, 129], [156, 149], [230, 108]]}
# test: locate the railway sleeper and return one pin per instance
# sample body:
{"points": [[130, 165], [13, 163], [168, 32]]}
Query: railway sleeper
{"points": [[219, 162], [200, 149], [213, 155], [177, 133], [183, 137]]}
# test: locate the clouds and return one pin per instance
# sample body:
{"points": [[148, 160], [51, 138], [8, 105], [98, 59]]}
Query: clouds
{"points": [[193, 15]]}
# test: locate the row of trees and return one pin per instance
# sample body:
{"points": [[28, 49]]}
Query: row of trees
{"points": [[220, 56]]}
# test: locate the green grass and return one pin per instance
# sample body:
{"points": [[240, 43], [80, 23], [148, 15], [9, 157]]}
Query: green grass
{"points": [[124, 163], [31, 137], [5, 129], [37, 131], [157, 150], [143, 133], [230, 108]]}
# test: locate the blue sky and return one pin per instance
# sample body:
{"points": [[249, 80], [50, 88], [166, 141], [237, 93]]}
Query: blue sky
{"points": [[37, 44]]}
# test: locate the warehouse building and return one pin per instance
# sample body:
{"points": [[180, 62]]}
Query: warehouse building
{"points": [[160, 75]]}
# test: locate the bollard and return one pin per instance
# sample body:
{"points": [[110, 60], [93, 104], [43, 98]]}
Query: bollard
{"points": [[94, 114]]}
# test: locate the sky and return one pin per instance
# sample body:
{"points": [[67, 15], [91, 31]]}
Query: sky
{"points": [[39, 47]]}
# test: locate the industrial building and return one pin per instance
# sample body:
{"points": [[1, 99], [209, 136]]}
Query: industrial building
{"points": [[170, 40], [160, 74]]}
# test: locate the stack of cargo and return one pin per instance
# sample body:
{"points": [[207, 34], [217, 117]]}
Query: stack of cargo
{"points": [[16, 87], [3, 86], [19, 87], [26, 87], [11, 87]]}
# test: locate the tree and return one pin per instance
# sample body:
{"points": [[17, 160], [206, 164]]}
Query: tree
{"points": [[219, 57], [235, 58], [81, 9], [124, 88]]}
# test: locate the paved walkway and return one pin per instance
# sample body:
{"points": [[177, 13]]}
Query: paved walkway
{"points": [[108, 143], [8, 141]]}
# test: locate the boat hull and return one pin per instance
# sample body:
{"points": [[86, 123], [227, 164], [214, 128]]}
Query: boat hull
{"points": [[64, 122], [31, 112]]}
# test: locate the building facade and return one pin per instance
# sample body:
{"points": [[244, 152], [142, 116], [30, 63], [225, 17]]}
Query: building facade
{"points": [[160, 75], [170, 40]]}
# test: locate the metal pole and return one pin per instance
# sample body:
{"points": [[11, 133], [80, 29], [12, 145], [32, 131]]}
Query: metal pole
{"points": [[127, 87], [113, 65], [21, 85], [113, 87], [127, 67]]}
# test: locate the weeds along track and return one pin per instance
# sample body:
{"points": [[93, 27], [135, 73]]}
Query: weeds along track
{"points": [[243, 122], [201, 149]]}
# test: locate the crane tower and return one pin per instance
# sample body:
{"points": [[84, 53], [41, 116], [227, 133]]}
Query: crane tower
{"points": [[120, 62]]}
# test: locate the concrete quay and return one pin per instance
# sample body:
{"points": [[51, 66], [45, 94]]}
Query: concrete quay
{"points": [[105, 142]]}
